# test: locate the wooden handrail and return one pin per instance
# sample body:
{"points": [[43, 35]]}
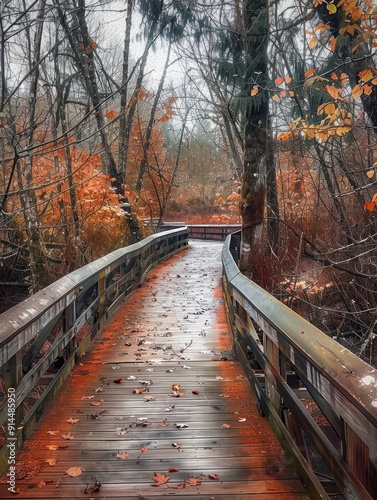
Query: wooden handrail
{"points": [[289, 362], [80, 302]]}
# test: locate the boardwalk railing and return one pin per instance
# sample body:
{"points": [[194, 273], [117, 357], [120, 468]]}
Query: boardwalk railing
{"points": [[320, 398], [54, 327], [205, 231]]}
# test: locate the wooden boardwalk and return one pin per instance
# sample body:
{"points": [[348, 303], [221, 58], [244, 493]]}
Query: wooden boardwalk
{"points": [[159, 395]]}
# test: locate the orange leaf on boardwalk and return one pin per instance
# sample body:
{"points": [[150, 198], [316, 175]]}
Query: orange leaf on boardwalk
{"points": [[215, 477], [67, 435], [194, 481], [72, 421], [74, 471], [97, 403], [139, 391], [160, 478], [180, 486]]}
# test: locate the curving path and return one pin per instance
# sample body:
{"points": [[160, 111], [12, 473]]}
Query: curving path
{"points": [[159, 407]]}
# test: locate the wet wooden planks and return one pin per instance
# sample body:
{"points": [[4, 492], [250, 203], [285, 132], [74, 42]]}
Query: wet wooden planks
{"points": [[159, 391]]}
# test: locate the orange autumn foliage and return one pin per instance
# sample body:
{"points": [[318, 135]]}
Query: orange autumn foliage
{"points": [[100, 218]]}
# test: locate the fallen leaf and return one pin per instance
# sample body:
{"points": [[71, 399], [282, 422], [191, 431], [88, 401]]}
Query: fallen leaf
{"points": [[41, 484], [53, 447], [87, 397], [93, 489], [97, 403], [117, 380], [51, 462], [63, 445], [122, 456], [131, 377], [97, 415], [73, 420], [180, 486], [74, 471], [171, 408], [173, 469], [181, 426], [164, 423], [176, 387], [139, 391], [195, 391], [144, 449], [160, 478], [67, 435], [226, 426], [177, 394], [53, 433], [176, 445], [194, 481], [216, 477], [149, 398], [242, 419]]}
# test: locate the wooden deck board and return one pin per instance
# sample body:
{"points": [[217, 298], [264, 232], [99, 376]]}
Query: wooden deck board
{"points": [[172, 330]]}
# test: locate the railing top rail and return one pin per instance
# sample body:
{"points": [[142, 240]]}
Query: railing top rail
{"points": [[63, 291], [353, 377]]}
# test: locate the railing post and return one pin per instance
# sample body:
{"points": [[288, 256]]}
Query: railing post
{"points": [[101, 293], [272, 353], [356, 454]]}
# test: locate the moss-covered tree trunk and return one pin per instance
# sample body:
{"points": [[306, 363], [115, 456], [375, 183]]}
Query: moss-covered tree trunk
{"points": [[256, 136]]}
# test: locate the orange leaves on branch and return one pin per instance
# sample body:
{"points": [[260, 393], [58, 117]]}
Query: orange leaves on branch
{"points": [[313, 42], [308, 73], [111, 114], [254, 91], [366, 76], [334, 92], [371, 205]]}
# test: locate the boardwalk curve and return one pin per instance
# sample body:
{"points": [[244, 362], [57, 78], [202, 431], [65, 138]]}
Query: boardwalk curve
{"points": [[159, 395]]}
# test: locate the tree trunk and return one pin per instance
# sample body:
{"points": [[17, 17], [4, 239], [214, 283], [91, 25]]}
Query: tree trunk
{"points": [[123, 135], [37, 250], [253, 191], [146, 141]]}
